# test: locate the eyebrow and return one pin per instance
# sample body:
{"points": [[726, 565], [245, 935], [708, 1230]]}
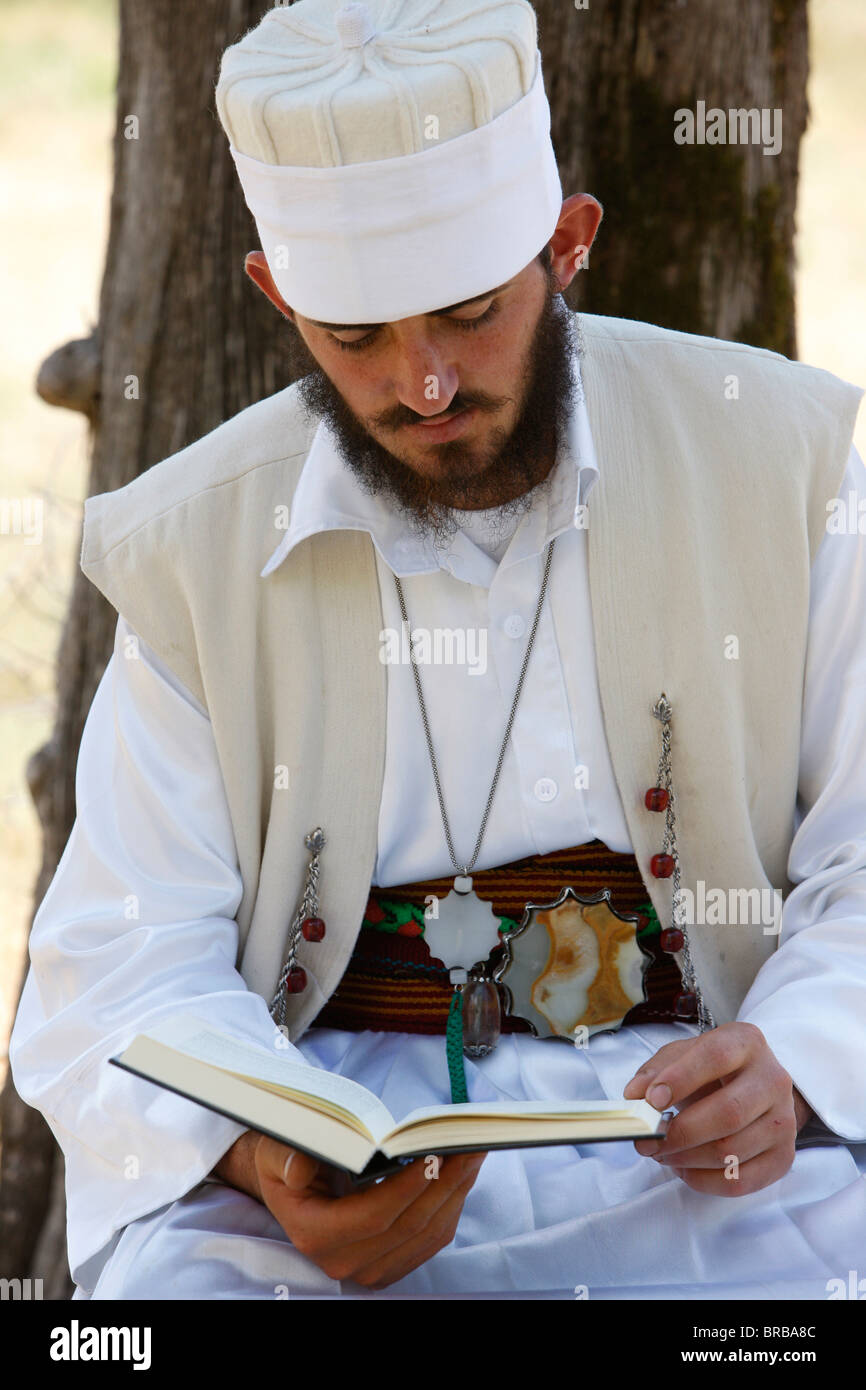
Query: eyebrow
{"points": [[433, 313]]}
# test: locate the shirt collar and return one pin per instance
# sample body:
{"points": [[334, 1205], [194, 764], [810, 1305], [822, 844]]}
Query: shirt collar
{"points": [[329, 497]]}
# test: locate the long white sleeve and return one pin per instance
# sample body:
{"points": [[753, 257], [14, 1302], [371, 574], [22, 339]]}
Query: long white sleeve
{"points": [[138, 924], [809, 998]]}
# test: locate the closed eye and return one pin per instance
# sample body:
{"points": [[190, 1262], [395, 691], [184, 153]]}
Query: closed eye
{"points": [[465, 324], [479, 319]]}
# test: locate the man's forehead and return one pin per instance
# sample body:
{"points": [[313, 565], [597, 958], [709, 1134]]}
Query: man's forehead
{"points": [[433, 313]]}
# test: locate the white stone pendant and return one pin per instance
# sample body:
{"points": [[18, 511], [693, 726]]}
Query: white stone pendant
{"points": [[574, 964], [465, 929]]}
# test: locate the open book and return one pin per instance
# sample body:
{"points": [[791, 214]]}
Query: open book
{"points": [[342, 1123]]}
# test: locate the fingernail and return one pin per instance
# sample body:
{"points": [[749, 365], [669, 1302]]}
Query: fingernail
{"points": [[287, 1165], [659, 1096]]}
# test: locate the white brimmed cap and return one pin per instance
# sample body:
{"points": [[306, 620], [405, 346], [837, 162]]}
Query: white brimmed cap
{"points": [[396, 155]]}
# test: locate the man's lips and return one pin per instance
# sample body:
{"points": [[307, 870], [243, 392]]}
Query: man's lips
{"points": [[439, 430]]}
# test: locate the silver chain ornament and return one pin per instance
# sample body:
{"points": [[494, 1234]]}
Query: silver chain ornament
{"points": [[467, 867], [306, 923], [663, 712], [465, 926]]}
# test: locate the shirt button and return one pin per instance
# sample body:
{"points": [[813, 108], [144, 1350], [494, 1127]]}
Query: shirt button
{"points": [[514, 626], [545, 789]]}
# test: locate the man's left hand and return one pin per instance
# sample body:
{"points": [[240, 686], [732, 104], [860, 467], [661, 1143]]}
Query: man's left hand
{"points": [[739, 1113]]}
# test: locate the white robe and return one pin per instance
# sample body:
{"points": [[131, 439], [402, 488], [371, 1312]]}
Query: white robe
{"points": [[152, 830]]}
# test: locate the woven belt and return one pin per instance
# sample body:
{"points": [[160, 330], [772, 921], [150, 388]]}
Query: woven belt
{"points": [[393, 984]]}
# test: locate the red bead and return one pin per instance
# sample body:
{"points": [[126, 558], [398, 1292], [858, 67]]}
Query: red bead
{"points": [[312, 929], [671, 940], [373, 912], [656, 799], [642, 921], [297, 980], [662, 865], [686, 1005], [412, 928]]}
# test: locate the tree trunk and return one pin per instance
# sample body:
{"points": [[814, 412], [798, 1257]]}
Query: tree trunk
{"points": [[183, 342], [696, 237]]}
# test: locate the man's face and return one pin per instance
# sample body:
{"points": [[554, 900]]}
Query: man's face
{"points": [[459, 408]]}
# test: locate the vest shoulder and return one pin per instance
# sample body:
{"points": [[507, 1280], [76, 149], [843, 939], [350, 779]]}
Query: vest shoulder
{"points": [[273, 431], [601, 328], [811, 393]]}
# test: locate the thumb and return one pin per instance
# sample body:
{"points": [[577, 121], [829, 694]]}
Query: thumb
{"points": [[298, 1170], [289, 1167]]}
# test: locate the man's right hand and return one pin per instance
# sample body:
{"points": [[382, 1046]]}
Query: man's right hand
{"points": [[374, 1236]]}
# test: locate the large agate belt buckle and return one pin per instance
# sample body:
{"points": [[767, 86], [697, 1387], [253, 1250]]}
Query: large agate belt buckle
{"points": [[573, 967]]}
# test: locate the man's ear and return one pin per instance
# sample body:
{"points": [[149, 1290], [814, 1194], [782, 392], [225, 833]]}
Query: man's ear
{"points": [[574, 234], [259, 272]]}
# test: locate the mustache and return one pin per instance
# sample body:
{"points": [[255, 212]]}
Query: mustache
{"points": [[398, 415]]}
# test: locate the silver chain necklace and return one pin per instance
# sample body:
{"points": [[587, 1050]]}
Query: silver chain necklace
{"points": [[465, 927]]}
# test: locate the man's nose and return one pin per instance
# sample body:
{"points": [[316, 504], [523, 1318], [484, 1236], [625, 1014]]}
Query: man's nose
{"points": [[424, 379]]}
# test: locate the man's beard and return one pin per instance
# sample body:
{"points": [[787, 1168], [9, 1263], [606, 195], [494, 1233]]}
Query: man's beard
{"points": [[518, 462]]}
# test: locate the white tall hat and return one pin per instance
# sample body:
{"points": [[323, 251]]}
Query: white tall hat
{"points": [[396, 155]]}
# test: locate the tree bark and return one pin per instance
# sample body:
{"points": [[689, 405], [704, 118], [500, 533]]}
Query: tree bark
{"points": [[695, 237]]}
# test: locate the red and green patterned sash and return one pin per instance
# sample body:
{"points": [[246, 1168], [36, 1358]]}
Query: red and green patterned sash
{"points": [[393, 984]]}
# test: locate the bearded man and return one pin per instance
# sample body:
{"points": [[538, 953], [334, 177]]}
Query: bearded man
{"points": [[662, 625]]}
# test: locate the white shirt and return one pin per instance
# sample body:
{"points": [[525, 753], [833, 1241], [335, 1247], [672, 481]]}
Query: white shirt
{"points": [[153, 830]]}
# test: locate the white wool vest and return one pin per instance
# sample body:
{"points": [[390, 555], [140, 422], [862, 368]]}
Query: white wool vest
{"points": [[717, 462]]}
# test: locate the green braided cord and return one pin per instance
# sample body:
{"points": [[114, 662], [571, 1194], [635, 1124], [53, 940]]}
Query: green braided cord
{"points": [[454, 1050]]}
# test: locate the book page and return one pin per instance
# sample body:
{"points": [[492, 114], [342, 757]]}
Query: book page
{"points": [[602, 1111], [510, 1132], [198, 1039]]}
